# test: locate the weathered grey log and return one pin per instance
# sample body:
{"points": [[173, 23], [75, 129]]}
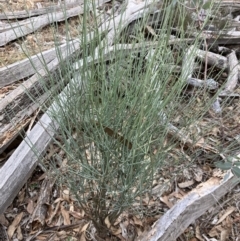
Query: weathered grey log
{"points": [[224, 94], [226, 3], [22, 162], [14, 105], [22, 28], [215, 60], [11, 129], [36, 23], [209, 84], [32, 65], [171, 225], [224, 41], [36, 12]]}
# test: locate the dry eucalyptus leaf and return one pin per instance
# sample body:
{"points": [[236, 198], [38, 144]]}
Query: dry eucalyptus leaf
{"points": [[3, 220], [137, 221], [65, 195], [165, 200], [19, 233], [30, 206], [128, 231], [224, 235], [14, 225], [227, 213], [65, 214], [84, 228], [198, 233], [186, 184]]}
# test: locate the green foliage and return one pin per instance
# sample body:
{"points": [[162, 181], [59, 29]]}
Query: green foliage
{"points": [[113, 115], [236, 170], [223, 165], [231, 164], [118, 116], [206, 5]]}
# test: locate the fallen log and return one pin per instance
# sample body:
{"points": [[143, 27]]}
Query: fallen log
{"points": [[218, 61], [25, 27], [24, 100], [20, 165], [171, 225], [34, 64], [36, 12]]}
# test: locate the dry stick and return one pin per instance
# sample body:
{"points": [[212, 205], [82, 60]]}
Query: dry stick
{"points": [[213, 59], [233, 72], [209, 84], [221, 63], [231, 81]]}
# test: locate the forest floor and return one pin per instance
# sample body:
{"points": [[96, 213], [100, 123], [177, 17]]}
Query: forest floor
{"points": [[43, 210]]}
